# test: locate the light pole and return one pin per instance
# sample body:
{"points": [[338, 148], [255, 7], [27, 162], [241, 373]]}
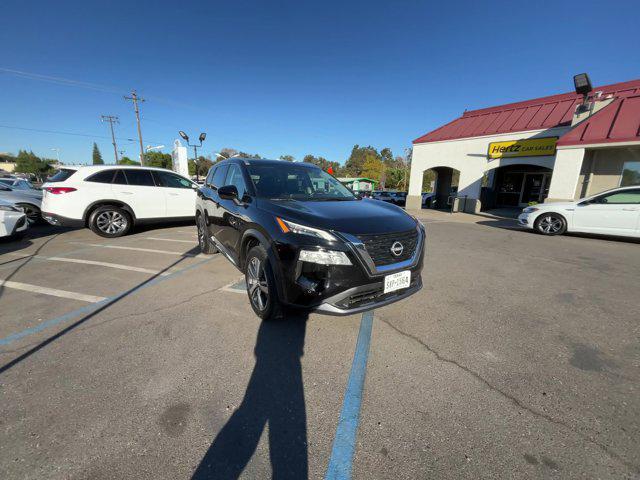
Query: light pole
{"points": [[201, 138], [57, 150]]}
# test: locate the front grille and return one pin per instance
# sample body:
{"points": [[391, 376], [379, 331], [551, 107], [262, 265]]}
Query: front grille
{"points": [[379, 246]]}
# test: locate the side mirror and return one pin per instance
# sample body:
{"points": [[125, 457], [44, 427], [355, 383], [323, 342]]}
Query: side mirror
{"points": [[228, 192]]}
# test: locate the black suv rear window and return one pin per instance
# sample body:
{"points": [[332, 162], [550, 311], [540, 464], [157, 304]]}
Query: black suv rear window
{"points": [[61, 175]]}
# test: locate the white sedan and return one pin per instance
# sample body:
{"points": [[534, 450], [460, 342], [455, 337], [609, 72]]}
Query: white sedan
{"points": [[614, 212], [13, 220]]}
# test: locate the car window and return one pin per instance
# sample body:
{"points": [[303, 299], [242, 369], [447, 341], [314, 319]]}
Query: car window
{"points": [[105, 176], [209, 178], [140, 177], [170, 180], [625, 197], [234, 177], [218, 177], [61, 175], [119, 178]]}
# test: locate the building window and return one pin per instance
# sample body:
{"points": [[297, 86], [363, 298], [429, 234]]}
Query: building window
{"points": [[630, 174]]}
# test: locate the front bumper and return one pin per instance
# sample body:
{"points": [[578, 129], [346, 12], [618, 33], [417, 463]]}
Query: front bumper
{"points": [[340, 289], [525, 220], [21, 225]]}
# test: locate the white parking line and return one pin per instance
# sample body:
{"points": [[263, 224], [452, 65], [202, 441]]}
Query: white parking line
{"points": [[137, 249], [27, 287], [170, 240], [100, 264]]}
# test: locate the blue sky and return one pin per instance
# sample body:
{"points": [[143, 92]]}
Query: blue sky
{"points": [[291, 77]]}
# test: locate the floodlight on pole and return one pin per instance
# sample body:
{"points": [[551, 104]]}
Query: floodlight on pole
{"points": [[201, 139], [157, 147]]}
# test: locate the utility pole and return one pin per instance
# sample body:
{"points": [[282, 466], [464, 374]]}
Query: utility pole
{"points": [[135, 99], [112, 119]]}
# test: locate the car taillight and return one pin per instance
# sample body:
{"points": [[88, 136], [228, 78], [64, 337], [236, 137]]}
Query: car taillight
{"points": [[59, 190]]}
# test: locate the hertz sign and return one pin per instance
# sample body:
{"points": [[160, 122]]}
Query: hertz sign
{"points": [[531, 147]]}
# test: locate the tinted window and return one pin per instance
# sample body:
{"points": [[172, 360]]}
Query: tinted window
{"points": [[119, 178], [210, 176], [630, 174], [61, 175], [234, 177], [218, 177], [139, 177], [625, 197], [106, 176], [170, 180]]}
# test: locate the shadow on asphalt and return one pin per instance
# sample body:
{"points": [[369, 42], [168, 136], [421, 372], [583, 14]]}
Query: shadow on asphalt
{"points": [[146, 227], [92, 313], [274, 395]]}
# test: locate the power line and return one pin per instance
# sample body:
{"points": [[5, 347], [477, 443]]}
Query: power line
{"points": [[135, 99], [59, 132], [112, 119]]}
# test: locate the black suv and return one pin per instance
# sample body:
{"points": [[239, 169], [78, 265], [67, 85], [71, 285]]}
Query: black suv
{"points": [[303, 239]]}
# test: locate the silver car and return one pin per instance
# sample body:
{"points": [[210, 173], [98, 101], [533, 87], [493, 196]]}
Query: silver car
{"points": [[24, 195]]}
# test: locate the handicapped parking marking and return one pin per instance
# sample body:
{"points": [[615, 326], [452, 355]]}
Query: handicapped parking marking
{"points": [[341, 460]]}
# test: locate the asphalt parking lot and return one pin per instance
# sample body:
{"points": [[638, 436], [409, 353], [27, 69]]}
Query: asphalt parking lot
{"points": [[141, 358]]}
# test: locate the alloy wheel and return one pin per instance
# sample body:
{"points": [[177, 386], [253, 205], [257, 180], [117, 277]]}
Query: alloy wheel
{"points": [[111, 222], [550, 224], [32, 213], [257, 284], [201, 232]]}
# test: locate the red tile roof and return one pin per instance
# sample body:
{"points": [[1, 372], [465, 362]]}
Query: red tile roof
{"points": [[536, 114]]}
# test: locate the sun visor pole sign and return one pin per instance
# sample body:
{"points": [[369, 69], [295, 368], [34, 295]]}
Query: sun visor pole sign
{"points": [[530, 147]]}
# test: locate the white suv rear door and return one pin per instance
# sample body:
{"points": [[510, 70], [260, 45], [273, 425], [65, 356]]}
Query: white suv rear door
{"points": [[140, 193], [179, 193]]}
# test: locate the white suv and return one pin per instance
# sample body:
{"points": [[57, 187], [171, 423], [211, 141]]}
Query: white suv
{"points": [[110, 199]]}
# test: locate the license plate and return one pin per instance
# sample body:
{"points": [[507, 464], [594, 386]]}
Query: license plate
{"points": [[397, 281]]}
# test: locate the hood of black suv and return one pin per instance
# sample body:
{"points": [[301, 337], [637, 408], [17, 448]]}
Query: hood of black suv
{"points": [[349, 216]]}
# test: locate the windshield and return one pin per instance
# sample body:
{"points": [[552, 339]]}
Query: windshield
{"points": [[290, 181]]}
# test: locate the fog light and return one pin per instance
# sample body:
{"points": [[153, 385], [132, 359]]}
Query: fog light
{"points": [[324, 257]]}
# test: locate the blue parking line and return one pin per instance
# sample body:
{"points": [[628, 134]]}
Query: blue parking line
{"points": [[94, 306], [344, 443]]}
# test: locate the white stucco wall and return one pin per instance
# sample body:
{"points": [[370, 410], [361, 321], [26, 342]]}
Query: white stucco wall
{"points": [[565, 174], [469, 156]]}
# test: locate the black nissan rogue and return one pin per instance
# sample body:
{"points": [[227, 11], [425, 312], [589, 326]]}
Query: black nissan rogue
{"points": [[303, 239]]}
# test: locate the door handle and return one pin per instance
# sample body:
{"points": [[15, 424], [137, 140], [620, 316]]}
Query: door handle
{"points": [[127, 193], [173, 194], [630, 209]]}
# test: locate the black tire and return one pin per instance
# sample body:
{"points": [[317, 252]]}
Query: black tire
{"points": [[110, 221], [261, 285], [550, 224], [204, 242], [32, 212]]}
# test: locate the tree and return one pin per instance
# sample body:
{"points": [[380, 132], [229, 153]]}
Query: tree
{"points": [[372, 167], [355, 163], [29, 162], [158, 159], [324, 164], [128, 161], [97, 156], [288, 158], [202, 165]]}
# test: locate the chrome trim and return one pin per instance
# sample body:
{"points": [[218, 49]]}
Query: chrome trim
{"points": [[222, 250], [361, 252]]}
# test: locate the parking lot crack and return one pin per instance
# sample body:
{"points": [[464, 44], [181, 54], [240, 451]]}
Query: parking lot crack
{"points": [[512, 399]]}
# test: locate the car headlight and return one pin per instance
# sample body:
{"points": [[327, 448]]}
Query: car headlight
{"points": [[286, 226], [9, 208], [324, 257], [530, 210]]}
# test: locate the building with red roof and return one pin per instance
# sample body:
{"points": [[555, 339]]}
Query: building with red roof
{"points": [[556, 148]]}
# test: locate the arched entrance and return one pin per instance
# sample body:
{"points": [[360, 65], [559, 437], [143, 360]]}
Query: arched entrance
{"points": [[441, 183], [516, 186]]}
